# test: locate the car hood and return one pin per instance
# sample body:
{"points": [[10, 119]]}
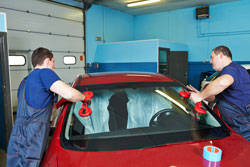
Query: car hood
{"points": [[235, 152]]}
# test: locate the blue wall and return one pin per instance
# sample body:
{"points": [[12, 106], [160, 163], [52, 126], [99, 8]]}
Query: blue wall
{"points": [[228, 25], [139, 55], [3, 27], [110, 25], [127, 56], [134, 51]]}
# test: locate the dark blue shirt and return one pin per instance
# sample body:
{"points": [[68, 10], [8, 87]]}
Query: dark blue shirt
{"points": [[38, 83], [239, 92]]}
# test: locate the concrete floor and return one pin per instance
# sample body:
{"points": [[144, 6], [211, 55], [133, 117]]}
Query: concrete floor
{"points": [[2, 158]]}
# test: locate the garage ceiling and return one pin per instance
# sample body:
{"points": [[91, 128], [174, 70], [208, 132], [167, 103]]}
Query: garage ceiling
{"points": [[162, 6]]}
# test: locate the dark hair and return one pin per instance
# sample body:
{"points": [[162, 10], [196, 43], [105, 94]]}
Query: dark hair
{"points": [[224, 50], [39, 55]]}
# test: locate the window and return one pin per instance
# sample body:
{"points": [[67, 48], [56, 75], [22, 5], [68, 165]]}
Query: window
{"points": [[17, 60], [69, 60], [137, 113]]}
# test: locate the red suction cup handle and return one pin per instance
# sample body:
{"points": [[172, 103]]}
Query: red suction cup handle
{"points": [[184, 94], [198, 105], [85, 110], [87, 95], [198, 108]]}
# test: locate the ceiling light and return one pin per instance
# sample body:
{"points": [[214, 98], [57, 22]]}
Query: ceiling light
{"points": [[138, 3]]}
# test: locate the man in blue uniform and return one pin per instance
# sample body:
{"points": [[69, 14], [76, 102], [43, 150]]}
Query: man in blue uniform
{"points": [[231, 91], [36, 95]]}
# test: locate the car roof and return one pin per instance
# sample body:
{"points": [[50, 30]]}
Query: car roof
{"points": [[216, 73], [119, 77], [246, 66]]}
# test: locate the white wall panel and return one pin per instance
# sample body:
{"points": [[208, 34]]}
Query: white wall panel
{"points": [[29, 27], [42, 6], [14, 99], [71, 74], [59, 60], [16, 78], [17, 73], [26, 41], [30, 22]]}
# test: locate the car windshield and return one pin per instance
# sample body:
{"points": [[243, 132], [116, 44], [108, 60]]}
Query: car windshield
{"points": [[137, 115]]}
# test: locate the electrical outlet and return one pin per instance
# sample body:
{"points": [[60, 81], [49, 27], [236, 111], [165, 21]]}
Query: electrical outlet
{"points": [[98, 38]]}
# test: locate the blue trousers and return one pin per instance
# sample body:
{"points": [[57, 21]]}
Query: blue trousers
{"points": [[27, 143], [29, 134], [237, 118]]}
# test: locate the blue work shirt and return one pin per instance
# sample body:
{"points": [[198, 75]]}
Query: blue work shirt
{"points": [[38, 83], [239, 92]]}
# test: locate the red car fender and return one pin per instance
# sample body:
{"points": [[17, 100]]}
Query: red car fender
{"points": [[217, 111], [53, 162], [51, 159]]}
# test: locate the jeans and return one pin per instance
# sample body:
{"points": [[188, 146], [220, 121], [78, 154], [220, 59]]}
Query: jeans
{"points": [[237, 118]]}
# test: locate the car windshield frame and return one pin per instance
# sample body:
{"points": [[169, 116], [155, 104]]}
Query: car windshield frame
{"points": [[127, 139]]}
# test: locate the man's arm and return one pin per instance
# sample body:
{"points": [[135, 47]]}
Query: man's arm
{"points": [[214, 88], [67, 92]]}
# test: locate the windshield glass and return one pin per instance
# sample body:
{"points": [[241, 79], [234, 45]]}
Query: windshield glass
{"points": [[149, 114]]}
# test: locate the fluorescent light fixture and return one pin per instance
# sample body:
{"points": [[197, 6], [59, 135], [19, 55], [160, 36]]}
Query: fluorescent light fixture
{"points": [[138, 3]]}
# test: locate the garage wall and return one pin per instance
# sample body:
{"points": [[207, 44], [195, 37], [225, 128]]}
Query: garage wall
{"points": [[110, 25], [228, 25], [34, 23], [140, 55]]}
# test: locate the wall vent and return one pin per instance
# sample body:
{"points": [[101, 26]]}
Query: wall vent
{"points": [[202, 12]]}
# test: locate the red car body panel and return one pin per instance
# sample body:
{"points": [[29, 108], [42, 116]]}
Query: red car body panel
{"points": [[235, 149], [103, 78]]}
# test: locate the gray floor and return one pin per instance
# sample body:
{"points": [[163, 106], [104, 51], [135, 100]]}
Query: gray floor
{"points": [[2, 158]]}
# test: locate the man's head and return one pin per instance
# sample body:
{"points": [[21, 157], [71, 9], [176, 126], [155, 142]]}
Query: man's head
{"points": [[43, 57], [221, 56]]}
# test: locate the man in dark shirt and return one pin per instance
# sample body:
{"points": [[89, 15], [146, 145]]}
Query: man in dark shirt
{"points": [[231, 91], [36, 95]]}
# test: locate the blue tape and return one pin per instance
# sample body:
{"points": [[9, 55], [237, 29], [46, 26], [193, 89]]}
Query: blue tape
{"points": [[212, 153]]}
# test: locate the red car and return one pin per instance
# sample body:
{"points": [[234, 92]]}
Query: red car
{"points": [[141, 120]]}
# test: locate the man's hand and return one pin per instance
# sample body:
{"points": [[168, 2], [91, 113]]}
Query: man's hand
{"points": [[195, 97], [195, 94], [213, 88], [190, 87]]}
